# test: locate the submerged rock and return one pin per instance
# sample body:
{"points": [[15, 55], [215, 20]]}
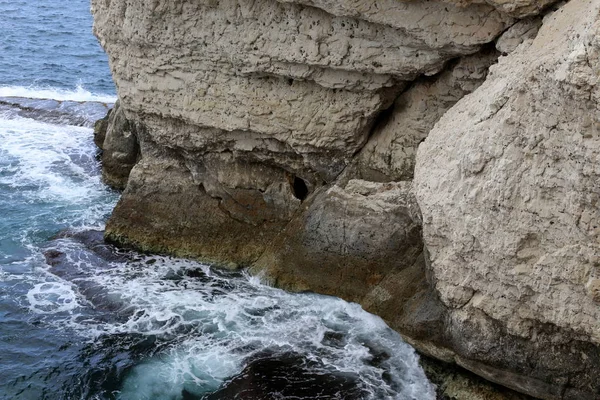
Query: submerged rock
{"points": [[59, 112], [289, 375]]}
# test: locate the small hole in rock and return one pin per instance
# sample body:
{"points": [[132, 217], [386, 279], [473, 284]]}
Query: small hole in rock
{"points": [[299, 189]]}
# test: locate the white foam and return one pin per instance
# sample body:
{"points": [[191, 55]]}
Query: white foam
{"points": [[79, 94], [215, 322], [220, 321], [53, 164], [52, 298]]}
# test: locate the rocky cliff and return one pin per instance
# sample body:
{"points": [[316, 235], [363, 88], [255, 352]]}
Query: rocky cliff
{"points": [[362, 149]]}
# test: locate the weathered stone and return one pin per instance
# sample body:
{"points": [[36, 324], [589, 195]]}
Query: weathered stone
{"points": [[120, 148], [357, 235], [262, 143], [164, 210], [520, 32], [517, 8], [100, 128], [258, 97], [453, 383], [507, 185], [390, 153]]}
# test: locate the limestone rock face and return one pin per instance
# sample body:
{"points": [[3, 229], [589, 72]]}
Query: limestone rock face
{"points": [[390, 153], [358, 234], [526, 29], [262, 102], [518, 8], [282, 135], [507, 183], [117, 137]]}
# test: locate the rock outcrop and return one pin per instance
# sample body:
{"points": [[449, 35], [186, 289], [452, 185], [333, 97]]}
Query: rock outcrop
{"points": [[117, 138], [282, 135], [257, 104], [507, 183]]}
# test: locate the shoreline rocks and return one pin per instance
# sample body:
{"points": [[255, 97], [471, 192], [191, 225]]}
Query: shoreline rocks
{"points": [[282, 136]]}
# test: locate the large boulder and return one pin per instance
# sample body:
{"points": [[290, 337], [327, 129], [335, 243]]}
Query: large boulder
{"points": [[117, 138], [507, 183]]}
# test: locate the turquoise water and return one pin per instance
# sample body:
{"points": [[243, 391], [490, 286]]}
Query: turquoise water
{"points": [[83, 320]]}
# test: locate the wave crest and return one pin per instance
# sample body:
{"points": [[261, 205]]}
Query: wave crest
{"points": [[78, 94]]}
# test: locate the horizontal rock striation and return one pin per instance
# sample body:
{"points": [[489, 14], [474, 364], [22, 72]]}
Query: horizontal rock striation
{"points": [[257, 100], [360, 149]]}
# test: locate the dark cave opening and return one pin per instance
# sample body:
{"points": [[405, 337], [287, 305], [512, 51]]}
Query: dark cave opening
{"points": [[299, 188]]}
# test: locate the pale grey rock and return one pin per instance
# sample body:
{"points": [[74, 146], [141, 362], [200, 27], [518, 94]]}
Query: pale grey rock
{"points": [[390, 153], [520, 32], [517, 8], [260, 133], [507, 182], [263, 102], [295, 74], [437, 24]]}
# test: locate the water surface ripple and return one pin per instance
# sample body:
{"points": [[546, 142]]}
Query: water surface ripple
{"points": [[80, 319]]}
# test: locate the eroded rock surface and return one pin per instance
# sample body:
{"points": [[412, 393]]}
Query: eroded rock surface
{"points": [[507, 183], [390, 153], [260, 100], [282, 135], [117, 137]]}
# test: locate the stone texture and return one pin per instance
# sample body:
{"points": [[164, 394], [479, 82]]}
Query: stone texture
{"points": [[164, 210], [526, 29], [100, 128], [507, 185], [357, 234], [453, 383], [390, 153], [254, 98], [281, 135], [518, 8], [119, 144]]}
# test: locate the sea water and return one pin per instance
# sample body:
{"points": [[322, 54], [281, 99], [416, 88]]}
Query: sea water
{"points": [[80, 319]]}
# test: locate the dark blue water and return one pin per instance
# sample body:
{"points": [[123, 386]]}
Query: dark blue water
{"points": [[48, 43], [82, 320]]}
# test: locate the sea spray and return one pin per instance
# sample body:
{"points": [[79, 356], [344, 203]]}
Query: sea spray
{"points": [[131, 326]]}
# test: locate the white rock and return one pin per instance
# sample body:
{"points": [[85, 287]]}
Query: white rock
{"points": [[508, 184]]}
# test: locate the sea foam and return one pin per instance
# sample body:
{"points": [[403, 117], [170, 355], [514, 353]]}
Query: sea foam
{"points": [[48, 93]]}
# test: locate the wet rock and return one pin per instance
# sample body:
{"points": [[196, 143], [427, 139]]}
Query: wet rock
{"points": [[454, 383], [120, 147], [58, 112], [290, 376], [357, 234], [77, 256], [163, 210], [100, 128]]}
